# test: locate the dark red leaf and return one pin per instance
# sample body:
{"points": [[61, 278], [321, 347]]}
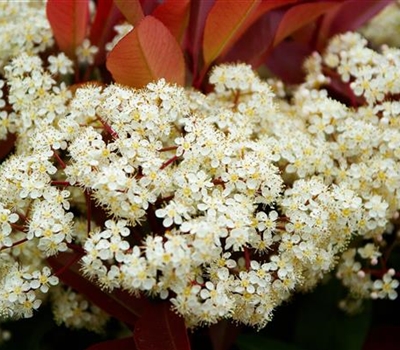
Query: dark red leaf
{"points": [[131, 9], [69, 21], [286, 61], [149, 52], [120, 344], [160, 328], [118, 304], [149, 6], [102, 30], [301, 15], [199, 10], [175, 15], [344, 18], [7, 145], [256, 41]]}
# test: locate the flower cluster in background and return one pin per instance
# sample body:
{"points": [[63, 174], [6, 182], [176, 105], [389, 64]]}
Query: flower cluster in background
{"points": [[224, 203]]}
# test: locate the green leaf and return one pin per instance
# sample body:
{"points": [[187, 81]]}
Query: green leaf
{"points": [[321, 325], [259, 342]]}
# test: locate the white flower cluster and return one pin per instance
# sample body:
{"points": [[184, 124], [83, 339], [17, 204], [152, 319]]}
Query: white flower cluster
{"points": [[24, 28], [226, 204], [221, 203]]}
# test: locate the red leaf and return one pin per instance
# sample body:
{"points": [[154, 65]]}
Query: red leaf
{"points": [[69, 21], [160, 329], [118, 304], [149, 52], [258, 38], [120, 344], [131, 9], [149, 6], [344, 18], [102, 30], [199, 10], [286, 60], [301, 15], [175, 15], [225, 23]]}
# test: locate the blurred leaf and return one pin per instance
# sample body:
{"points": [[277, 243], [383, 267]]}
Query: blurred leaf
{"points": [[225, 23], [198, 13], [69, 20], [258, 38], [131, 9], [118, 304], [160, 328], [259, 342], [344, 18], [175, 15], [321, 325], [300, 15], [102, 30], [286, 61], [149, 52]]}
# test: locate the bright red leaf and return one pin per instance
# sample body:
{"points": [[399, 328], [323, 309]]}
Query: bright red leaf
{"points": [[160, 328], [175, 15], [118, 304], [149, 52], [225, 23], [301, 15], [120, 344], [69, 21], [131, 9]]}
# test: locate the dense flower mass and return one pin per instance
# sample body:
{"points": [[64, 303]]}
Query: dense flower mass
{"points": [[225, 204]]}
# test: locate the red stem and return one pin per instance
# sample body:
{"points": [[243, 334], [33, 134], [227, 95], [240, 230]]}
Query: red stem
{"points": [[168, 162], [59, 160]]}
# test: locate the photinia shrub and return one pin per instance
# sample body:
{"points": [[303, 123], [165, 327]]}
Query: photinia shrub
{"points": [[149, 175]]}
